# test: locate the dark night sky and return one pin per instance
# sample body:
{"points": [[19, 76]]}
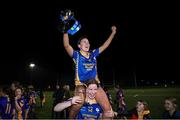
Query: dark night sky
{"points": [[146, 41]]}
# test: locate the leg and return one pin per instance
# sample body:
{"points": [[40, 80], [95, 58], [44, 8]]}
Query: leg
{"points": [[102, 99], [79, 91]]}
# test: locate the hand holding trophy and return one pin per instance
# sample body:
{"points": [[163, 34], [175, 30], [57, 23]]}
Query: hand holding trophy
{"points": [[68, 24]]}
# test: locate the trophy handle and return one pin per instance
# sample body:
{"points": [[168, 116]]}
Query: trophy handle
{"points": [[66, 18]]}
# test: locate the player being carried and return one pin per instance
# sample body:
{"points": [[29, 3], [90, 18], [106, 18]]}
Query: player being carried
{"points": [[86, 69]]}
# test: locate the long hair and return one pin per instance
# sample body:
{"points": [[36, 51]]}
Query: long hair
{"points": [[145, 104]]}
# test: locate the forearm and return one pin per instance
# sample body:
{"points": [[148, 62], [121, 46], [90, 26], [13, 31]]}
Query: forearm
{"points": [[109, 40], [66, 44], [18, 108], [61, 106], [66, 40], [107, 43]]}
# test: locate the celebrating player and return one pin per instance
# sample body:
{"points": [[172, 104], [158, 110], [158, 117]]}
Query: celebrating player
{"points": [[86, 68]]}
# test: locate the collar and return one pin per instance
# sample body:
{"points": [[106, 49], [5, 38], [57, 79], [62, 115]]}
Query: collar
{"points": [[91, 101], [86, 55]]}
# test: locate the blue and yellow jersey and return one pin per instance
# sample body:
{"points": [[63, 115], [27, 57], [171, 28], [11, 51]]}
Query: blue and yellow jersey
{"points": [[86, 66], [5, 108], [23, 103], [88, 111]]}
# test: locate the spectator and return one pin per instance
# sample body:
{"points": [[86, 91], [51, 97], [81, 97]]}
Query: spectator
{"points": [[141, 111], [31, 98], [57, 98], [120, 101], [21, 107], [5, 104], [42, 98], [13, 87], [170, 106], [66, 96]]}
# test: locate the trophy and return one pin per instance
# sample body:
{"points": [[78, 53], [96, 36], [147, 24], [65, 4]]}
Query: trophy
{"points": [[68, 24]]}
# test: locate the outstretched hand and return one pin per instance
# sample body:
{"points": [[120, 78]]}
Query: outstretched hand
{"points": [[113, 28]]}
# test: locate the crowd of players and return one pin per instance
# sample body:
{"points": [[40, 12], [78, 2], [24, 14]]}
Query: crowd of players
{"points": [[17, 102]]}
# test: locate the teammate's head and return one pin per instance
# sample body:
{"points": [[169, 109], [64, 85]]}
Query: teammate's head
{"points": [[92, 87], [14, 84], [30, 88], [1, 92], [57, 87], [66, 87], [170, 103], [141, 106], [4, 91], [84, 44], [18, 91], [116, 88]]}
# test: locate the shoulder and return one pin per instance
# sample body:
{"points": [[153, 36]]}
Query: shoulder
{"points": [[95, 50], [75, 53], [3, 98], [177, 113]]}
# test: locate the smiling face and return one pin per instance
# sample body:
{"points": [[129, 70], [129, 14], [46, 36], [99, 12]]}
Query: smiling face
{"points": [[84, 45], [18, 92], [91, 91], [139, 106]]}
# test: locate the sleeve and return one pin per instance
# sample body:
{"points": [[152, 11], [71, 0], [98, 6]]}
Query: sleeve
{"points": [[96, 52], [75, 54]]}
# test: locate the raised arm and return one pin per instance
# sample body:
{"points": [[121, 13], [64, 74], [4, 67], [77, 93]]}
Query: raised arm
{"points": [[109, 40], [63, 105], [67, 46]]}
